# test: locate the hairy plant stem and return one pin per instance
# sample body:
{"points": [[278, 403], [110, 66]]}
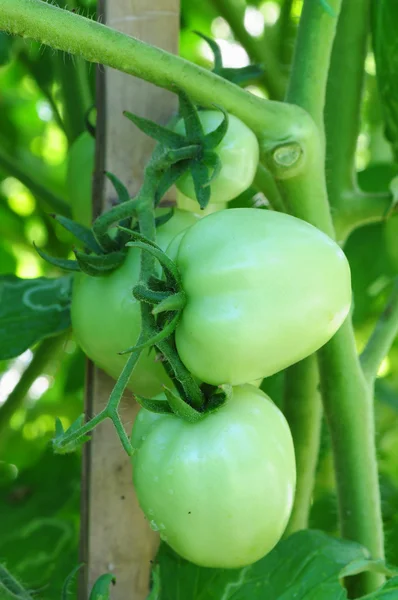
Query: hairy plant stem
{"points": [[346, 397], [303, 410], [260, 50]]}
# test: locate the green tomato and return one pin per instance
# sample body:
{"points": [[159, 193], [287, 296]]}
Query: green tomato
{"points": [[263, 291], [106, 316], [79, 175], [219, 491], [239, 155]]}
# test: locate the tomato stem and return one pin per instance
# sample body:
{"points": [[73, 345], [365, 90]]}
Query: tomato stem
{"points": [[303, 411]]}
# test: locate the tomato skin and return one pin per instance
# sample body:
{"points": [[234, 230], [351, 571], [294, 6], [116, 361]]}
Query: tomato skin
{"points": [[263, 289], [220, 491], [239, 154], [106, 316], [80, 168]]}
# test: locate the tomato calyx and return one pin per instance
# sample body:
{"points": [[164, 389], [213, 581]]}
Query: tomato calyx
{"points": [[215, 397]]}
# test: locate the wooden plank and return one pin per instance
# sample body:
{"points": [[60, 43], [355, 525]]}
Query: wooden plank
{"points": [[115, 536]]}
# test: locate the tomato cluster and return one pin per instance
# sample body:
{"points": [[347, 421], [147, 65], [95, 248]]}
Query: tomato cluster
{"points": [[262, 290]]}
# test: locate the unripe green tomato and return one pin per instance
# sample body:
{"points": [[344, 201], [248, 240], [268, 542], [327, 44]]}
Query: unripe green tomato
{"points": [[239, 155], [263, 291], [106, 316], [79, 176], [219, 491]]}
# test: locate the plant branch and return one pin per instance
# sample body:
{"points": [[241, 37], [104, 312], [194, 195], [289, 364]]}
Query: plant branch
{"points": [[345, 394], [381, 339], [67, 31], [343, 97], [259, 49], [303, 410], [358, 208]]}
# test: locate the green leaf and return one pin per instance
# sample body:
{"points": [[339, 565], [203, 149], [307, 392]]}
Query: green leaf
{"points": [[306, 566], [101, 588], [389, 591], [31, 310], [154, 594], [384, 35], [59, 444]]}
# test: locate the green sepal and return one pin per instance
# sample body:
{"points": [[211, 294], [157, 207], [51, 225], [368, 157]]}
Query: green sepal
{"points": [[99, 264], [66, 588], [157, 337], [242, 75], [169, 178], [169, 267], [200, 176], [120, 189], [215, 48], [160, 407], [213, 161], [193, 127], [100, 590], [172, 302], [220, 396], [62, 263], [164, 136], [80, 232], [213, 139], [144, 293], [58, 446], [180, 408]]}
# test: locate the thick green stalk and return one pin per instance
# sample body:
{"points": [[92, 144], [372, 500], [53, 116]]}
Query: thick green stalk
{"points": [[259, 49], [343, 97], [348, 405], [97, 43], [346, 397], [307, 85], [381, 339], [303, 410]]}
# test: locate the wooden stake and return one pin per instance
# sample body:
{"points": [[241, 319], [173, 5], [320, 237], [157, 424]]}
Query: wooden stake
{"points": [[115, 536]]}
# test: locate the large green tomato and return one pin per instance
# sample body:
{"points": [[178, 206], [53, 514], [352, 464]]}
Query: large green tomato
{"points": [[263, 291], [219, 491], [80, 167], [239, 155], [106, 316]]}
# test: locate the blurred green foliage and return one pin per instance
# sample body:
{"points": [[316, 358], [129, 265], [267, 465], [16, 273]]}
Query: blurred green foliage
{"points": [[45, 97]]}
